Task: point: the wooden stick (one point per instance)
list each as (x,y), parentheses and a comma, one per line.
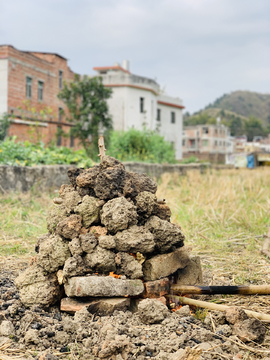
(101,146)
(211,290)
(216,307)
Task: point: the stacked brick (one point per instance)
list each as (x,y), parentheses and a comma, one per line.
(108,237)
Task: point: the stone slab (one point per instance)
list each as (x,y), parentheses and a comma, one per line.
(134,302)
(164,265)
(191,274)
(104,306)
(156,288)
(102,286)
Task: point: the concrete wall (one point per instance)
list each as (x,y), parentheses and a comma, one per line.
(3,86)
(41,178)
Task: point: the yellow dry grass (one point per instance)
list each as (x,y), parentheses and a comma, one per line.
(224,215)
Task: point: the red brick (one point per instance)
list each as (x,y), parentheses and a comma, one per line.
(156,288)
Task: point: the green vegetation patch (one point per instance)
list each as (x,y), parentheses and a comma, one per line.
(30,154)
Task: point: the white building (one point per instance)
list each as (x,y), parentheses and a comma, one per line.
(136,102)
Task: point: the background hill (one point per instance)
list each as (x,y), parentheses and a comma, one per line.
(245,103)
(244,112)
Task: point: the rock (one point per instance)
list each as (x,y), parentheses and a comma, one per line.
(250,330)
(157,288)
(40,239)
(118,214)
(109,162)
(152,312)
(70,196)
(162,211)
(85,191)
(103,286)
(61,337)
(7,328)
(72,305)
(53,253)
(74,266)
(109,183)
(110,348)
(235,314)
(163,265)
(100,260)
(37,288)
(88,210)
(184,311)
(224,330)
(186,354)
(191,274)
(141,182)
(128,265)
(31,337)
(106,306)
(145,202)
(166,235)
(135,239)
(56,214)
(60,276)
(87,178)
(70,227)
(88,242)
(75,247)
(98,231)
(73,173)
(107,242)
(129,189)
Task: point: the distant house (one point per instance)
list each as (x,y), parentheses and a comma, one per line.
(32,80)
(137,102)
(207,142)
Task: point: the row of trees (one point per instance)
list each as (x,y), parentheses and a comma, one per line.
(238,125)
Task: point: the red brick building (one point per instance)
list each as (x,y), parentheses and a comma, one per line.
(29,84)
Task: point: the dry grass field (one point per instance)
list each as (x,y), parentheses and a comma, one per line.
(224,215)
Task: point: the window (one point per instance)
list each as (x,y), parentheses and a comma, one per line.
(60,113)
(158,114)
(59,137)
(216,143)
(192,144)
(183,142)
(141,105)
(205,130)
(205,143)
(60,79)
(173,117)
(28,87)
(71,141)
(40,90)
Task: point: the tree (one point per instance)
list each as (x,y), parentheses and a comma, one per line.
(88,110)
(253,127)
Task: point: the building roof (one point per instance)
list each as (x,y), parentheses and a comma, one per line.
(101,68)
(45,53)
(34,52)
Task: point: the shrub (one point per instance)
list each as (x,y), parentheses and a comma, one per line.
(137,145)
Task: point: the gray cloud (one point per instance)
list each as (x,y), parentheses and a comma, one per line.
(197,49)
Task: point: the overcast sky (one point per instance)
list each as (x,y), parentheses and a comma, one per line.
(196,49)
